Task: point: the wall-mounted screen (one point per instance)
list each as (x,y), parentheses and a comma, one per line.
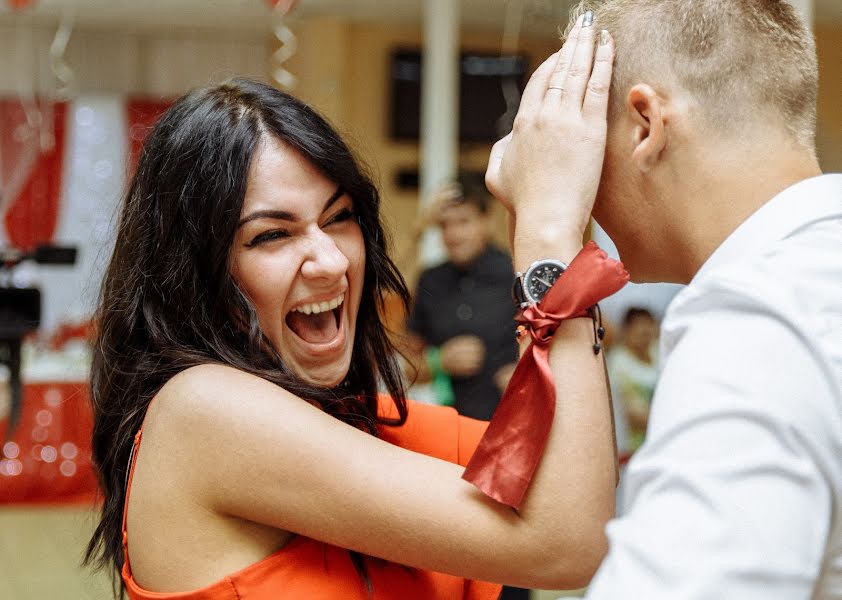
(484,82)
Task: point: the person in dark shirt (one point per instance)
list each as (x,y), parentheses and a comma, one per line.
(463,307)
(463,311)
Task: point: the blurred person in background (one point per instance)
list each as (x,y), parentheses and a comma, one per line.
(711,179)
(462,320)
(633,373)
(242,446)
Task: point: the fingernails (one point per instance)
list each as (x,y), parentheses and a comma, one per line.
(603,37)
(588,20)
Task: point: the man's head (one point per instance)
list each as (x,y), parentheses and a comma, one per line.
(465,222)
(640,329)
(706,94)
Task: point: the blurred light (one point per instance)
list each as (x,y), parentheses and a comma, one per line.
(11,450)
(103,169)
(39,434)
(44,418)
(53,397)
(49,454)
(68,450)
(85,116)
(11,467)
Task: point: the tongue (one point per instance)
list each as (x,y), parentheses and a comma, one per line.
(316,328)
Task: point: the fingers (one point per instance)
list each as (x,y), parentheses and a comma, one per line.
(579,71)
(492,173)
(533,93)
(595,105)
(559,74)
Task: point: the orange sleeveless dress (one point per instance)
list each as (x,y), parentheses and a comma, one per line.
(311,570)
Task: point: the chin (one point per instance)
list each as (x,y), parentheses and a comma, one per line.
(327,376)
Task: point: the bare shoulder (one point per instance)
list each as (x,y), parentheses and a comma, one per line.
(204,396)
(198,442)
(205,412)
(214,382)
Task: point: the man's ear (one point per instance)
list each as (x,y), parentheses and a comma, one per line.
(646,111)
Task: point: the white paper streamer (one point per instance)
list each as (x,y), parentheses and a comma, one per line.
(288,46)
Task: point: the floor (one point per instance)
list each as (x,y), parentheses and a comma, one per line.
(40,555)
(41,551)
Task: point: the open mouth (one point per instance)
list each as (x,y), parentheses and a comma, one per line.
(317,322)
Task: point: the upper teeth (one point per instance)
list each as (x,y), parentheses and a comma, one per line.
(319,307)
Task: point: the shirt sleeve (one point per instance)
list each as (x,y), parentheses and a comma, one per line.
(729,496)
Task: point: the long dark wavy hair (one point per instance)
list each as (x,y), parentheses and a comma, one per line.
(169,301)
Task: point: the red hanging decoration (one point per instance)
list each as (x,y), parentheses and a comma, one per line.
(141,116)
(19,4)
(284,6)
(32,216)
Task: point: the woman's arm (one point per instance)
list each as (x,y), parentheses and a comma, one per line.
(249,449)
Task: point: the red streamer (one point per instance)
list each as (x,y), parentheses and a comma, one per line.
(19,4)
(32,216)
(508,454)
(141,116)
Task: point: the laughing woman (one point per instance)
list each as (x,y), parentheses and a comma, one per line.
(242,446)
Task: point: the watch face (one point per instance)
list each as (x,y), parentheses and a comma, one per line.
(540,278)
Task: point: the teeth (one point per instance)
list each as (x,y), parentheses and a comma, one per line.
(319,307)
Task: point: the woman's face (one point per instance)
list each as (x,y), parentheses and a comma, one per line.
(299,257)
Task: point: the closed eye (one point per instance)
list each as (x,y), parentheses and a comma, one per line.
(267,236)
(343,215)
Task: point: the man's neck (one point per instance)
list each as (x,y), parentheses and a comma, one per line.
(469,264)
(724,197)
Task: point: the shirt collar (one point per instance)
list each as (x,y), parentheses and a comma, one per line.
(805,202)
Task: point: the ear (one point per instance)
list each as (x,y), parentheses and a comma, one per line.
(646,110)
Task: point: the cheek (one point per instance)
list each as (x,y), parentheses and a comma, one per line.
(352,246)
(610,192)
(266,281)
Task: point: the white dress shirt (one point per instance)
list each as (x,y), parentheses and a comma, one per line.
(737,491)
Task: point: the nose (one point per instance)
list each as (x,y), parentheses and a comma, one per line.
(324,260)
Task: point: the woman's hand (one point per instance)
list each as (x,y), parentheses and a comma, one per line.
(546,172)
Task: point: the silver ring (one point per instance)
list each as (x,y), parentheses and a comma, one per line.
(556,87)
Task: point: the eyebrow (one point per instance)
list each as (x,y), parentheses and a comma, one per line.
(284,215)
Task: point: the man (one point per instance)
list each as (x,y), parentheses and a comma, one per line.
(711,179)
(462,308)
(463,313)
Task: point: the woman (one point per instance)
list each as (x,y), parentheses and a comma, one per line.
(239,355)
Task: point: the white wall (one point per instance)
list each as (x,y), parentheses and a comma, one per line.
(92,185)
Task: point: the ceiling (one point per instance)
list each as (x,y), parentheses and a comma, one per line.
(539,15)
(256,14)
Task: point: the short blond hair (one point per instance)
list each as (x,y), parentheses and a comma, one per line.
(740,59)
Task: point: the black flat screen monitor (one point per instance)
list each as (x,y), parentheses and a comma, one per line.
(482,102)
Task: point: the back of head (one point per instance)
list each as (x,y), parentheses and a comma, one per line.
(637,312)
(742,62)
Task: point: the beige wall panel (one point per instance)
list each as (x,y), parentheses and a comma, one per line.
(360,100)
(829,138)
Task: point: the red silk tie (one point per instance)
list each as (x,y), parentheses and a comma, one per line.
(508,454)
